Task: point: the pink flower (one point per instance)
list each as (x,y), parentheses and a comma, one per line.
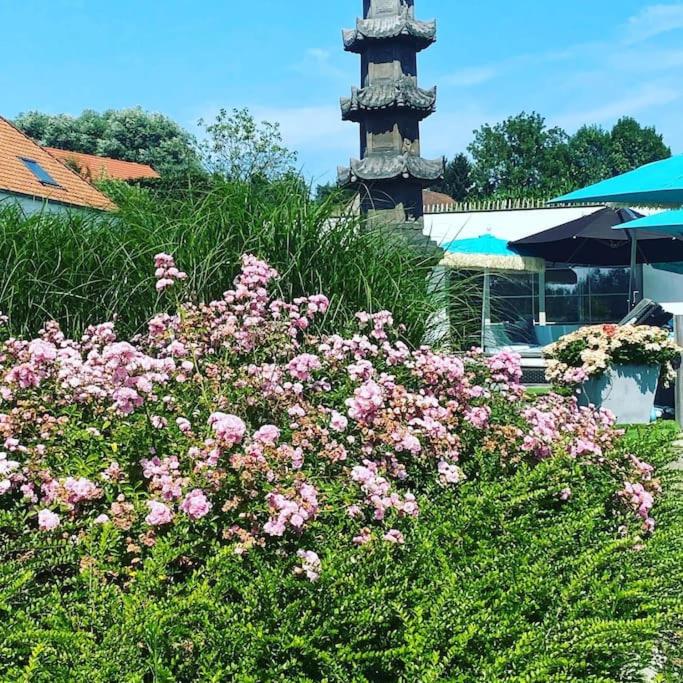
(354,511)
(366,402)
(159,422)
(506,367)
(7,469)
(25,375)
(575,376)
(364,537)
(318,303)
(645,470)
(450,473)
(565,494)
(639,498)
(394,536)
(406,441)
(303,366)
(47,520)
(196,505)
(293,511)
(230,429)
(101,519)
(159,513)
(164,260)
(113,472)
(361,371)
(126,400)
(310,565)
(268,435)
(166,272)
(42,352)
(184,425)
(338,422)
(80,489)
(478,417)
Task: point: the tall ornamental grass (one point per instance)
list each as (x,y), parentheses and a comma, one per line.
(82,269)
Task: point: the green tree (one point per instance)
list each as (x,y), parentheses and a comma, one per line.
(590,156)
(127,134)
(520,156)
(634,145)
(327,190)
(457,178)
(596,154)
(240,148)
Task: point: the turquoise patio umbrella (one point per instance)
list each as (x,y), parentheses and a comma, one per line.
(659,183)
(669,222)
(488,253)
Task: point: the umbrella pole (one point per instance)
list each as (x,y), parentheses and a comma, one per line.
(633,274)
(542,318)
(485,307)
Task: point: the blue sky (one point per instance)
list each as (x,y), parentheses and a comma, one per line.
(588,61)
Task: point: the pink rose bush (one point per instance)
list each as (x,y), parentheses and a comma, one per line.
(235,419)
(166,272)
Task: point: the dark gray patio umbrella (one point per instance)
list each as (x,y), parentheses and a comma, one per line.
(592,241)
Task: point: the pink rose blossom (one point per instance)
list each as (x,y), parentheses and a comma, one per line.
(338,422)
(310,565)
(184,425)
(196,505)
(48,520)
(394,536)
(268,435)
(230,429)
(159,513)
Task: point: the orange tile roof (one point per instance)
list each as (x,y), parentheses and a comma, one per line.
(95,167)
(16,178)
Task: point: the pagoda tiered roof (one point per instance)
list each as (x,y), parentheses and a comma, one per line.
(420,33)
(389,166)
(399,94)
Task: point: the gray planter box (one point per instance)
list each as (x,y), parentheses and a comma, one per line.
(627,390)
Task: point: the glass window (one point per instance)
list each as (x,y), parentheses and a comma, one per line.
(39,172)
(562,309)
(587,295)
(514,297)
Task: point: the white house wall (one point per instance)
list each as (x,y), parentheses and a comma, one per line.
(509,225)
(29,205)
(661,285)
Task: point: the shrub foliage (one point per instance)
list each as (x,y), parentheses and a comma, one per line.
(236,497)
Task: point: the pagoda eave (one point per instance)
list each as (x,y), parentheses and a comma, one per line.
(418,34)
(387,167)
(401,95)
(357,114)
(361,43)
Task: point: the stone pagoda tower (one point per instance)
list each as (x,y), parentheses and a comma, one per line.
(389,106)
